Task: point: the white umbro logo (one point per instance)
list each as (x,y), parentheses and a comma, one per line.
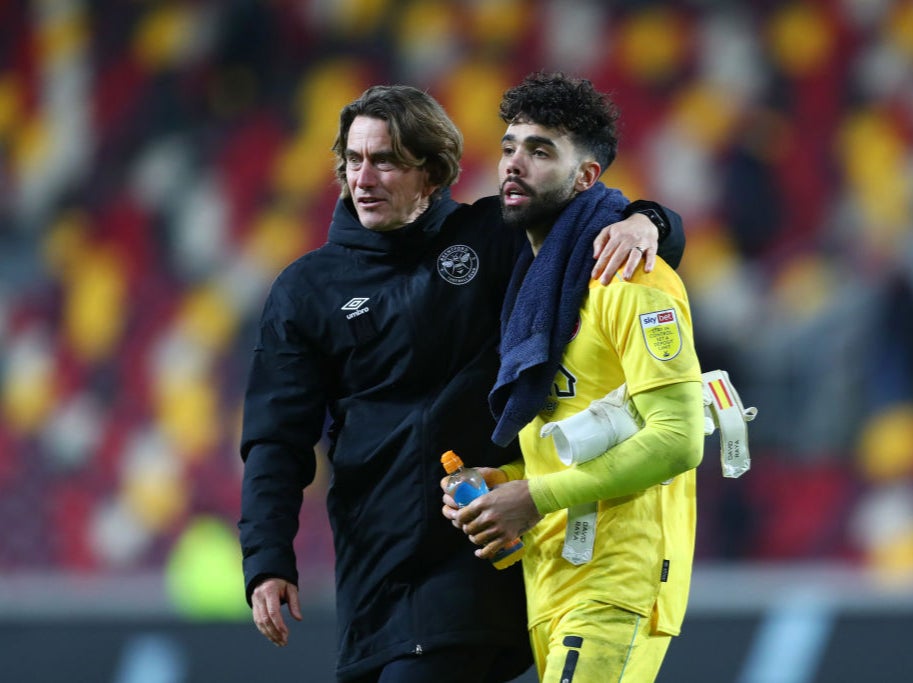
(355,303)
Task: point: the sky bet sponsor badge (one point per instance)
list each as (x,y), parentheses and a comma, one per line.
(661,333)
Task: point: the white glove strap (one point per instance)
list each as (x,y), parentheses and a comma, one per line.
(584,436)
(581,533)
(723,408)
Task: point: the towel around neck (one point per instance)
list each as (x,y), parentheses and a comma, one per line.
(541,308)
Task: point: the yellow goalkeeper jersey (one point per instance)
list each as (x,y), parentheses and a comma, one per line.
(636,332)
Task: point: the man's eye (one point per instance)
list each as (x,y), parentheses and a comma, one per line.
(385,165)
(507,151)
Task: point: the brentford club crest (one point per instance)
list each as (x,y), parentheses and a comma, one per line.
(458,264)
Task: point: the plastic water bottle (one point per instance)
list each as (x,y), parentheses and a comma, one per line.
(465,484)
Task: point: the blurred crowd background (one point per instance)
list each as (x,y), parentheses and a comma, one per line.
(160,162)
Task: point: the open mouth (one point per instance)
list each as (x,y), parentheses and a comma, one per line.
(513,193)
(369,202)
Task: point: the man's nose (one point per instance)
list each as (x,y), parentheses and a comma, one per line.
(365,176)
(513,166)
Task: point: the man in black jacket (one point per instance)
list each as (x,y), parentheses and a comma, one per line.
(392,329)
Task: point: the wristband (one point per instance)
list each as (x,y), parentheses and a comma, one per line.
(654,212)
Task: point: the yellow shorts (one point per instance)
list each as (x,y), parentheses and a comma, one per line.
(597,643)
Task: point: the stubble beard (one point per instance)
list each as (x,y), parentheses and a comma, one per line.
(540,212)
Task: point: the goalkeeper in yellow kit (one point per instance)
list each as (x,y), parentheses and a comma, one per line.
(610,540)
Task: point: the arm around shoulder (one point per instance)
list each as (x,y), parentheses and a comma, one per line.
(669,226)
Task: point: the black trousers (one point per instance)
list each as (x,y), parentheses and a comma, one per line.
(458,664)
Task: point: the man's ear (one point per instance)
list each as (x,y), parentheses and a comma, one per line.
(587,175)
(429,188)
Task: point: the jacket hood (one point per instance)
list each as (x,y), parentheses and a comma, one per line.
(347,231)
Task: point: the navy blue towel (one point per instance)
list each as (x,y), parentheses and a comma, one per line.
(541,308)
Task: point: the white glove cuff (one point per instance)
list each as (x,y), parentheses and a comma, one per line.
(591,432)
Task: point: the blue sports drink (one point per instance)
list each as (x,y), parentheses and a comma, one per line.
(465,485)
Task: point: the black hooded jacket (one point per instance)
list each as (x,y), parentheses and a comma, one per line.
(394,335)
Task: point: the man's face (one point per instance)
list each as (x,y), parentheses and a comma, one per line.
(386,196)
(538,170)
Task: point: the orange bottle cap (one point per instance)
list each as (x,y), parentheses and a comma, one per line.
(451,462)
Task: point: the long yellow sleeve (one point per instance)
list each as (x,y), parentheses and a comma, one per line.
(514,470)
(671,442)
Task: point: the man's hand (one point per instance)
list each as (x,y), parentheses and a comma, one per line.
(625,242)
(499,517)
(267,600)
(493,477)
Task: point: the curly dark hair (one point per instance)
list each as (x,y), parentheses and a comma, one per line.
(571,105)
(420,131)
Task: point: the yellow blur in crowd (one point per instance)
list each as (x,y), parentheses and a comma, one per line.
(159,164)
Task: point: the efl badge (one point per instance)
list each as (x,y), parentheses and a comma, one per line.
(662,334)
